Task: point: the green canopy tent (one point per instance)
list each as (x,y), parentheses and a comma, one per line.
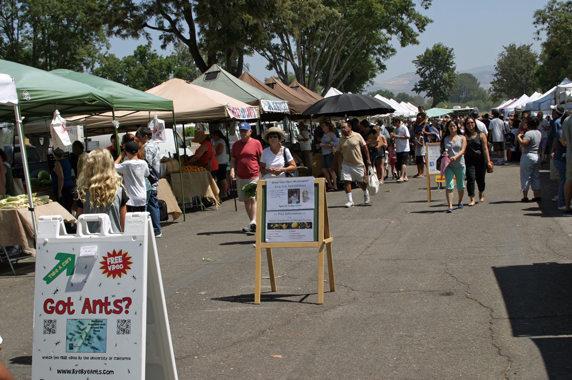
(40,93)
(436,112)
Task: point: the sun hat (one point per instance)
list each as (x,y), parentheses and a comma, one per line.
(558,108)
(244,126)
(58,152)
(131,147)
(273,130)
(200,136)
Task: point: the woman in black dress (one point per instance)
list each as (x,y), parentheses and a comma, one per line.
(477,159)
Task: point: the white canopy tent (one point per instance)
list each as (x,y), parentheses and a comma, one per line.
(504,104)
(9,98)
(399,109)
(332,92)
(528,105)
(511,109)
(564,94)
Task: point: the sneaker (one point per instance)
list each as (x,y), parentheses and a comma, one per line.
(366,199)
(562,208)
(567,213)
(159,235)
(555,199)
(250,228)
(350,204)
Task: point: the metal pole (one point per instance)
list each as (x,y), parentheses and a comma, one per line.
(180,166)
(25,165)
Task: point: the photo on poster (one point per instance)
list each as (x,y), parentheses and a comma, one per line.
(293,196)
(86,335)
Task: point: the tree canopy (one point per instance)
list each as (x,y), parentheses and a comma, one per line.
(385,93)
(145,68)
(339,43)
(515,72)
(64,34)
(555,62)
(467,88)
(436,67)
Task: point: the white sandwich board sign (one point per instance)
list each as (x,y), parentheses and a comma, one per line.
(99,305)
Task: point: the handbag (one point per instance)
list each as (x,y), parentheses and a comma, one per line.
(372,181)
(153,177)
(293,174)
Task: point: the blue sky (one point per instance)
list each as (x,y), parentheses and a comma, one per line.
(476,30)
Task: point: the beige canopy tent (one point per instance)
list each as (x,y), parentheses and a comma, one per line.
(296,106)
(304,90)
(286,91)
(191,103)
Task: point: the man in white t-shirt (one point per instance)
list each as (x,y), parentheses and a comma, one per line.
(544,128)
(401,135)
(497,129)
(305,141)
(482,127)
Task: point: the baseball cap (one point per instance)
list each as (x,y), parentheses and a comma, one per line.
(131,147)
(244,126)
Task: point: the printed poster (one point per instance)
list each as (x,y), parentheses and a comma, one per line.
(290,210)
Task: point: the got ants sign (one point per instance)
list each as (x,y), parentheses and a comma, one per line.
(92,298)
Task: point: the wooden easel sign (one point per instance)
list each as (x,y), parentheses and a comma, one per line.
(292,213)
(433,152)
(99,305)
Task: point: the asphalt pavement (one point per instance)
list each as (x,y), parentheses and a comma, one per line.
(482,293)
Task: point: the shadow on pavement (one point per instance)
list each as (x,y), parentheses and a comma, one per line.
(24,360)
(538,300)
(268,297)
(235,232)
(238,242)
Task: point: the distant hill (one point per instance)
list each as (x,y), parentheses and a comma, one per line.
(405,82)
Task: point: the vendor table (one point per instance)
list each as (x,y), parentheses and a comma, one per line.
(196,184)
(17,226)
(165,193)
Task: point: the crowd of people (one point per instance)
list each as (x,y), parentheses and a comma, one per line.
(114,182)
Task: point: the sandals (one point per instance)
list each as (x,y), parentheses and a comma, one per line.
(449,210)
(460,206)
(400,181)
(472,204)
(330,189)
(524,200)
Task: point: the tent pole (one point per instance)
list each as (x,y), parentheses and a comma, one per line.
(26,171)
(117,143)
(180,166)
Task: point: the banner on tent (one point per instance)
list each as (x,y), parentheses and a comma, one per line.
(272,106)
(242,113)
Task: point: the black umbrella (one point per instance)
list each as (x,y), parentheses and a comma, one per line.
(348,105)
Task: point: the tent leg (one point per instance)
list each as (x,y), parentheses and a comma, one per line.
(26,169)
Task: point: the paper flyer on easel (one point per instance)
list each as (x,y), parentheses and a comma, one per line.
(290,209)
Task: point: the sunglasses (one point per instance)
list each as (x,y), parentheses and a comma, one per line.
(272,136)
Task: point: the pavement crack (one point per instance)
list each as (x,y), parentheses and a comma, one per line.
(490,311)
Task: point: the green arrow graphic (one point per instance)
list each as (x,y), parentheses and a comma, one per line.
(66,263)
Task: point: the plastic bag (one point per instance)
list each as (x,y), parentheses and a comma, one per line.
(372,181)
(445,160)
(59,132)
(157,127)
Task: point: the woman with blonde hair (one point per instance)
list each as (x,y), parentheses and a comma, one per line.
(100,190)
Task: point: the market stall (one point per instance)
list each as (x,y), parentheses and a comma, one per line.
(199,184)
(18,225)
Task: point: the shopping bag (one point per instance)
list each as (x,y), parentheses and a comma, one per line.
(372,181)
(59,132)
(445,160)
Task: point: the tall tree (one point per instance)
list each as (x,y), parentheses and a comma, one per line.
(515,72)
(47,34)
(467,88)
(385,93)
(436,67)
(555,60)
(326,41)
(145,68)
(214,31)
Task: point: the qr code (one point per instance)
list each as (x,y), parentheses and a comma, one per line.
(50,326)
(124,327)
